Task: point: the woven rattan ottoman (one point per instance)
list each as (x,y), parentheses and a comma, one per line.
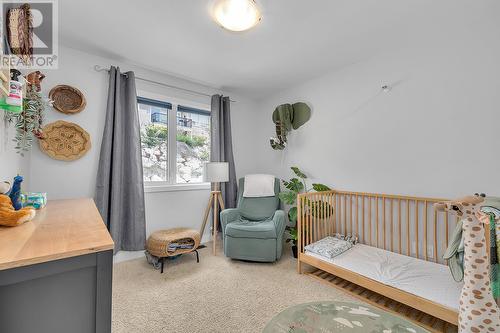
(178,239)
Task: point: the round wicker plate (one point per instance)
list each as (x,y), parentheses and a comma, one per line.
(65,141)
(67,99)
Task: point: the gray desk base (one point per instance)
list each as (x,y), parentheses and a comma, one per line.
(64,296)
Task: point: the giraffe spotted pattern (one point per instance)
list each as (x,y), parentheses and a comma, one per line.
(478,311)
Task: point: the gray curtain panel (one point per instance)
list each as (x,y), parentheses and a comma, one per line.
(222,145)
(119,188)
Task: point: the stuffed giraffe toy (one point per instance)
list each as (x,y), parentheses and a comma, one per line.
(478,311)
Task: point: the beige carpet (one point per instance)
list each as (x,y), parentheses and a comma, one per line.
(216,295)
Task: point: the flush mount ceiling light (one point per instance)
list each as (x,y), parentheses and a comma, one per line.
(236,15)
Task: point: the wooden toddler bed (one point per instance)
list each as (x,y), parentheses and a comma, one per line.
(398,265)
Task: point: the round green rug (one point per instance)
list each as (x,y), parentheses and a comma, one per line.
(330,317)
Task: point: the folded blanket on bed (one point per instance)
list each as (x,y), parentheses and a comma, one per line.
(331,247)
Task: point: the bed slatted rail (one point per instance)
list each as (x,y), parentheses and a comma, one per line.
(401,224)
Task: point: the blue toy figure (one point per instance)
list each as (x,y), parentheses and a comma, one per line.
(15,193)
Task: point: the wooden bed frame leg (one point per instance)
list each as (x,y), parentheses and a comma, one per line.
(299,266)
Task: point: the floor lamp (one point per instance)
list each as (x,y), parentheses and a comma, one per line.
(215,173)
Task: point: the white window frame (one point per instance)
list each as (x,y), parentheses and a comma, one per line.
(170,185)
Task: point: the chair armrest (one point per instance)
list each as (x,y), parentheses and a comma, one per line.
(227,216)
(279,222)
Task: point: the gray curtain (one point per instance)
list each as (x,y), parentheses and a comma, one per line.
(119,188)
(222,146)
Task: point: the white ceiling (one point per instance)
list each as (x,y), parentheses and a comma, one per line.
(296,40)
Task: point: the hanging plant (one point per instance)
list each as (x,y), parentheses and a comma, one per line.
(28,123)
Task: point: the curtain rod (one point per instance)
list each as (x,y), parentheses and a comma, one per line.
(98,68)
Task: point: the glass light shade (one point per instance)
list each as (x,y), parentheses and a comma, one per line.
(236,15)
(216,172)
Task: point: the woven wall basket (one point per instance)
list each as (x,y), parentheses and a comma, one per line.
(67,99)
(65,141)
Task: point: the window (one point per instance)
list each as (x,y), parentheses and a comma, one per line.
(193,143)
(159,117)
(153,118)
(173,157)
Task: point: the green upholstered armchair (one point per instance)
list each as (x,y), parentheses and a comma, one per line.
(254,230)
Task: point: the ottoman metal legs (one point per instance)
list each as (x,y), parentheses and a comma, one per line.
(163,260)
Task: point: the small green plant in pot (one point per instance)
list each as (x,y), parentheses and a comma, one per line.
(295,186)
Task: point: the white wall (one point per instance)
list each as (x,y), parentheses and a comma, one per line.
(11,163)
(77,179)
(435,134)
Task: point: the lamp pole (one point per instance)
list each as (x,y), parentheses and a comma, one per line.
(215,172)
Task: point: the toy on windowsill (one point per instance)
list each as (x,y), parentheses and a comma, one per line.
(10,217)
(15,193)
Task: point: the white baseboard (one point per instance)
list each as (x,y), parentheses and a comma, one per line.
(127,255)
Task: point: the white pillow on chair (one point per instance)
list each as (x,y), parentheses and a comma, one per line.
(258,185)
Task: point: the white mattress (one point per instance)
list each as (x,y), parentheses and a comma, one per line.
(418,277)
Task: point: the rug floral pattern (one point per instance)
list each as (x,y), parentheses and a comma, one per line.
(332,317)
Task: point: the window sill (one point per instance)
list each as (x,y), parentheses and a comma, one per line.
(176,187)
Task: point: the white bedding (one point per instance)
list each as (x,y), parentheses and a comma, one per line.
(418,277)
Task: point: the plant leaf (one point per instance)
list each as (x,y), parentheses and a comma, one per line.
(320,187)
(288,197)
(294,185)
(292,215)
(320,208)
(299,173)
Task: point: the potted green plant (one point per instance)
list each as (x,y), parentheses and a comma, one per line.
(294,186)
(292,237)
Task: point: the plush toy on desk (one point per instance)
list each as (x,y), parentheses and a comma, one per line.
(4,187)
(8,215)
(15,193)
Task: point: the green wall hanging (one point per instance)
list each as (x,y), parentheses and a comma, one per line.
(287,117)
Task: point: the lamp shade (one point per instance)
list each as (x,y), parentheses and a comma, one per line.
(216,172)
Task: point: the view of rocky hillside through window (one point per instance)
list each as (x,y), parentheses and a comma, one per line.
(192,146)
